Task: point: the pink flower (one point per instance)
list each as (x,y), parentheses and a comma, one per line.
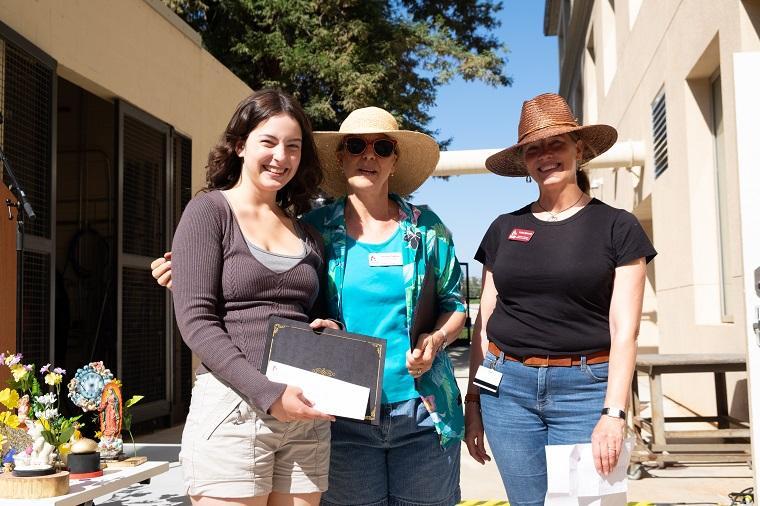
(45,368)
(12,359)
(58,370)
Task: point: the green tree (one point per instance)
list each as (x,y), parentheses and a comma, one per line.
(338,55)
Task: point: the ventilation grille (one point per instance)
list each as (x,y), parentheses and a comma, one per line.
(144,176)
(143,335)
(27,93)
(659,135)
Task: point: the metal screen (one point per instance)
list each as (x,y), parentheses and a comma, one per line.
(36,342)
(144,190)
(183,148)
(27,98)
(28,106)
(144,336)
(145,205)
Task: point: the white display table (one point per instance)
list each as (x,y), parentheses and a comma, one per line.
(86,490)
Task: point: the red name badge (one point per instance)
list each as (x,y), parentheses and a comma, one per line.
(521,234)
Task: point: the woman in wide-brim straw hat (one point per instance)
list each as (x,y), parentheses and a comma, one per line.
(563,282)
(379,247)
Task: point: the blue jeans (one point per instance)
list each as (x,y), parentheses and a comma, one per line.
(399,462)
(535,407)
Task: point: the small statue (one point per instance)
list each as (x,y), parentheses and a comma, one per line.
(40,455)
(23,409)
(110,416)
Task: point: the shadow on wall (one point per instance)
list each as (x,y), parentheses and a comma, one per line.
(740,401)
(753,13)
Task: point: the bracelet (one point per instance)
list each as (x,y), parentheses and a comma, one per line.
(445,342)
(614,413)
(472,398)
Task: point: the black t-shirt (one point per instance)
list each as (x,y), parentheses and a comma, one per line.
(554,279)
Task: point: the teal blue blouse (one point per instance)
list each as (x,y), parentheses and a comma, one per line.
(426,240)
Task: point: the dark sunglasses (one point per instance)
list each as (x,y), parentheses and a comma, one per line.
(357,146)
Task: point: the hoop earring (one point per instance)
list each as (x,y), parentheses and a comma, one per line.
(528,179)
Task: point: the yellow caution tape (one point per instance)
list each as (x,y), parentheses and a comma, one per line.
(506,503)
(483,503)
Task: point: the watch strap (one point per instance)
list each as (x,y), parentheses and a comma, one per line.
(614,412)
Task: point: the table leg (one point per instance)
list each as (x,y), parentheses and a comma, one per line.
(658,413)
(721,399)
(635,402)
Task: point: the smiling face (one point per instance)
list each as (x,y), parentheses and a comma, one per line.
(368,170)
(552,160)
(271,153)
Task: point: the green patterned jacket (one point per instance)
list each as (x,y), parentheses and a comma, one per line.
(426,239)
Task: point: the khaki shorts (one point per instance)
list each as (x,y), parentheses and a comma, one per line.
(232,449)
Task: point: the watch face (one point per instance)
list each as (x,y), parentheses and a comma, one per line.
(92,385)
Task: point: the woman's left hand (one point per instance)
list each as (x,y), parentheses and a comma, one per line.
(420,359)
(320,323)
(607,442)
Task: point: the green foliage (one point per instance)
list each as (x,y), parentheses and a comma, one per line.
(60,430)
(339,55)
(127,423)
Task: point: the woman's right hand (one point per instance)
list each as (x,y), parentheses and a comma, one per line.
(474,433)
(292,406)
(161,270)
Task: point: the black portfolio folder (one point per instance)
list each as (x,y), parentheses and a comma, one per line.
(426,311)
(354,358)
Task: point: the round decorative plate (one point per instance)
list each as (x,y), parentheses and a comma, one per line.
(86,387)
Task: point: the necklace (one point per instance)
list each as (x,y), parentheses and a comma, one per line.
(555,216)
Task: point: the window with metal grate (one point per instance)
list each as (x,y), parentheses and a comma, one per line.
(26,100)
(26,85)
(659,134)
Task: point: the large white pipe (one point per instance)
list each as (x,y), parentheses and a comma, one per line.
(473,161)
(621,154)
(461,162)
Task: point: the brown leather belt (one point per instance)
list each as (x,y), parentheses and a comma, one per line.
(597,357)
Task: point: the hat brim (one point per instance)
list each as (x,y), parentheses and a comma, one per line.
(417,158)
(596,140)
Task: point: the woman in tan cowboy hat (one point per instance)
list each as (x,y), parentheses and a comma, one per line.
(378,248)
(563,282)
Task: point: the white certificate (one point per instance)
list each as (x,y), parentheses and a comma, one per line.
(328,395)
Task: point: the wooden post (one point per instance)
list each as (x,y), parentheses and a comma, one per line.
(7,278)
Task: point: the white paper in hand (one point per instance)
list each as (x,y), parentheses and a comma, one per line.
(573,479)
(329,395)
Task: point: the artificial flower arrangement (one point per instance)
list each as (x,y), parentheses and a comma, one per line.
(33,432)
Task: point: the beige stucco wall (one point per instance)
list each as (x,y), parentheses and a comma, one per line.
(678,46)
(126,49)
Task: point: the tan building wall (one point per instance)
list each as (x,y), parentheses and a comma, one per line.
(618,57)
(140,52)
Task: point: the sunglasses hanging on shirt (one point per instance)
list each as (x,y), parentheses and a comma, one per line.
(356,146)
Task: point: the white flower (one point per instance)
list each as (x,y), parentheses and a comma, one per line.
(47,399)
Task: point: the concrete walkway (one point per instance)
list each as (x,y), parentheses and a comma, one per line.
(693,484)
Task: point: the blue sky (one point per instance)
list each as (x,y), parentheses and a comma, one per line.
(480,117)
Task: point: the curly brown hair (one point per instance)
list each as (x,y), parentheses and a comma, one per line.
(224,164)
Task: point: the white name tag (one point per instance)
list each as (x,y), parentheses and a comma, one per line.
(384,259)
(487,378)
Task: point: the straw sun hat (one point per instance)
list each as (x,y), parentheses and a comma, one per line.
(545,116)
(417,153)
